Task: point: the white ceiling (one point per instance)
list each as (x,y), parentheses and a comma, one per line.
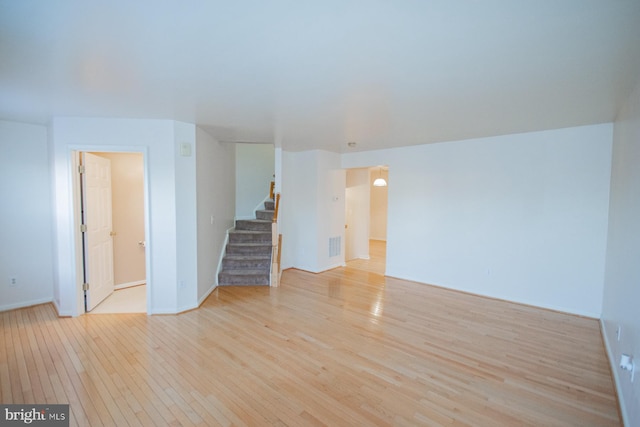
(317,74)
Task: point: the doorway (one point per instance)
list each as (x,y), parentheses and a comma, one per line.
(114,279)
(366,219)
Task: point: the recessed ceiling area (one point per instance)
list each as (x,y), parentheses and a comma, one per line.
(316,75)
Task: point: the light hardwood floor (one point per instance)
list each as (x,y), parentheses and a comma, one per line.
(377,258)
(343,348)
(127,300)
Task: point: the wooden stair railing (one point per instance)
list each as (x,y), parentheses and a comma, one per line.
(276,240)
(276,208)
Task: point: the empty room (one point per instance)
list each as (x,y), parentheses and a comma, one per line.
(339,213)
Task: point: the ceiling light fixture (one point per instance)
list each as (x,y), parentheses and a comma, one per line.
(380,182)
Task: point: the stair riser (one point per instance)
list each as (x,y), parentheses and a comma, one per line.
(249,237)
(249,250)
(237,264)
(269,206)
(266,215)
(253,225)
(243,280)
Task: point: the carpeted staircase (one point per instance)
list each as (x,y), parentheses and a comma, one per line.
(247,259)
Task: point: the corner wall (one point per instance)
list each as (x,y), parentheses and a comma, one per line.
(215,174)
(622,275)
(312,209)
(186,227)
(25,220)
(255,169)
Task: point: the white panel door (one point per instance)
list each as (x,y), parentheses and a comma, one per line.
(98,241)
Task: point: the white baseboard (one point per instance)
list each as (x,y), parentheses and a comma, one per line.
(185,308)
(188,307)
(332,266)
(130,284)
(61,313)
(24,304)
(163,311)
(614,372)
(315,271)
(57,307)
(206,294)
(223,251)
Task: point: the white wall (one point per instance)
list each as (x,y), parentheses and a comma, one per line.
(25,219)
(622,274)
(186,215)
(278,168)
(255,167)
(358,212)
(519,217)
(331,204)
(312,209)
(215,173)
(166,174)
(299,211)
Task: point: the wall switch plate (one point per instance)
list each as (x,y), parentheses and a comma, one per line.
(618,332)
(185,149)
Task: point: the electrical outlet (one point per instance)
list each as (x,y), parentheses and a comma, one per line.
(628,364)
(13,281)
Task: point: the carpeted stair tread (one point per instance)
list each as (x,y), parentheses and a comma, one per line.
(244,278)
(248,236)
(244,272)
(247,262)
(249,249)
(264,214)
(249,244)
(250,232)
(249,256)
(253,225)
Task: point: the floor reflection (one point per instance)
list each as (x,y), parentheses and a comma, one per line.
(377,258)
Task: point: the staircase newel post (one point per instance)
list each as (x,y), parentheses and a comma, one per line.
(275,264)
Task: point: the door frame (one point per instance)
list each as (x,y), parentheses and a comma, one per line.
(76,234)
(371,169)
